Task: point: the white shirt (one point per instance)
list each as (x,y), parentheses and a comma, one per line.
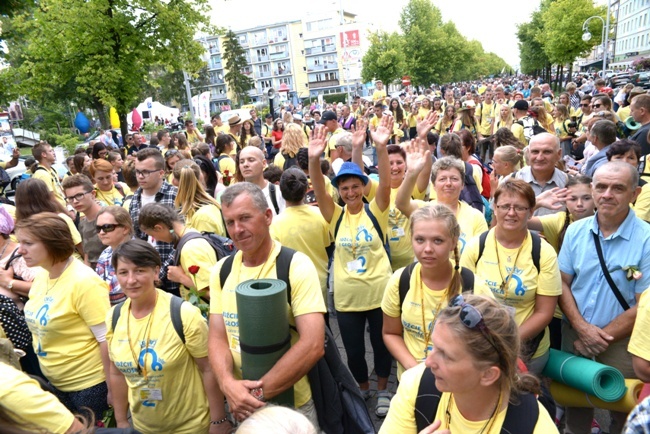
(278,195)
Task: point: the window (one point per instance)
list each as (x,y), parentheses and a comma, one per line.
(285,80)
(261,52)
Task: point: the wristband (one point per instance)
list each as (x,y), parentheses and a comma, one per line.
(219,422)
(258,393)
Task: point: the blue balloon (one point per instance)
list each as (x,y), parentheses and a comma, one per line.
(82,123)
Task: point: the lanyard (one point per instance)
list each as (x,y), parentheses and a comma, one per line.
(142,370)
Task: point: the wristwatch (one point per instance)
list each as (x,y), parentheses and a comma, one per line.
(258,393)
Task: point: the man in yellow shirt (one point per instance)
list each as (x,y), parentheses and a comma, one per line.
(486,112)
(235,124)
(218,125)
(44,154)
(334,129)
(248,219)
(380,93)
(192,133)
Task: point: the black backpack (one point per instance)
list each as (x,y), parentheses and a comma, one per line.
(521,417)
(289,161)
(215,162)
(466,277)
(222,246)
(340,407)
(174,311)
(531,127)
(470,194)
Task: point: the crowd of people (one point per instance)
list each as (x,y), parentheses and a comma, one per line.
(468,229)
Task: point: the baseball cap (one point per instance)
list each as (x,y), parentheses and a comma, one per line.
(521,105)
(328,115)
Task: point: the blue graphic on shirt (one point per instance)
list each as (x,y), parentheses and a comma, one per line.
(155,363)
(363,261)
(520,290)
(367,236)
(41,315)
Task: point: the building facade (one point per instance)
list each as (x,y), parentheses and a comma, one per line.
(632,32)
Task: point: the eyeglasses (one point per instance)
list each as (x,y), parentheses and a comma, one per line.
(507,208)
(585,105)
(107,228)
(129,138)
(171,153)
(145,173)
(472,318)
(597,105)
(76,197)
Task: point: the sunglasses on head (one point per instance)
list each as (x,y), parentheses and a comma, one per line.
(472,318)
(108,227)
(171,153)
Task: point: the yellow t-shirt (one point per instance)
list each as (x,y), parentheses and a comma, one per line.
(76,236)
(471,221)
(361,266)
(423,113)
(642,205)
(623,113)
(399,232)
(169,366)
(401,416)
(518,132)
(412,120)
(411,311)
(378,95)
(112,197)
(193,137)
(207,219)
(51,179)
(59,314)
(227,164)
(223,129)
(552,225)
(306,298)
(640,341)
(25,401)
(486,113)
(332,138)
(304,229)
(442,126)
(525,284)
(197,252)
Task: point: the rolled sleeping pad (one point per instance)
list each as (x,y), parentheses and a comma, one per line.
(264,334)
(602,381)
(569,397)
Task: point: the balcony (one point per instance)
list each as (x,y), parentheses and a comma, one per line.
(323,67)
(277,39)
(216,80)
(282,72)
(259,41)
(258,59)
(214,49)
(216,65)
(321,49)
(252,92)
(325,83)
(280,55)
(260,74)
(244,44)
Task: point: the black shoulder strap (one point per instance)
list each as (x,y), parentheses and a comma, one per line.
(117,310)
(481,246)
(467,279)
(536,249)
(521,418)
(175,313)
(427,400)
(226,267)
(14,255)
(338,223)
(184,239)
(119,188)
(405,282)
(282,267)
(608,277)
(274,199)
(375,223)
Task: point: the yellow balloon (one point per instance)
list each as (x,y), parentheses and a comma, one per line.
(115,119)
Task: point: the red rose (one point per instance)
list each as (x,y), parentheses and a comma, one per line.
(226,172)
(193,269)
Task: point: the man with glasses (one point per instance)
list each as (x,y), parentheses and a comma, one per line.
(598,300)
(150,173)
(80,193)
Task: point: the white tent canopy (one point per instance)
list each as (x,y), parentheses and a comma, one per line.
(150,109)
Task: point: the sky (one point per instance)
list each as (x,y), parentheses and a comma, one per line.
(493,23)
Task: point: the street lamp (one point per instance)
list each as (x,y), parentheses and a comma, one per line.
(586,36)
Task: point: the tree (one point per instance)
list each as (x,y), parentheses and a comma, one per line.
(235,59)
(166,87)
(384,59)
(100,52)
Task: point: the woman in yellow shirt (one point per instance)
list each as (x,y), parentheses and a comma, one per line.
(108,192)
(425,108)
(200,210)
(292,141)
(165,382)
(361,265)
(504,267)
(437,106)
(172,157)
(472,368)
(67,306)
(505,119)
(445,123)
(163,223)
(433,282)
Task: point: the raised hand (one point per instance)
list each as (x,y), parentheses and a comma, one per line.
(426,124)
(552,199)
(384,130)
(359,133)
(317,143)
(417,156)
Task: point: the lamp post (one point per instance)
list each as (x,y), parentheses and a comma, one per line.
(586,36)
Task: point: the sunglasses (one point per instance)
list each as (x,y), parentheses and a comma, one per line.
(108,227)
(597,105)
(585,105)
(171,153)
(472,319)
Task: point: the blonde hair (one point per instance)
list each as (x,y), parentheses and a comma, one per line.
(512,155)
(273,419)
(563,112)
(191,194)
(441,213)
(292,139)
(508,120)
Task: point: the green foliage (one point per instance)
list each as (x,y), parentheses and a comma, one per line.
(235,61)
(531,52)
(384,59)
(67,141)
(99,52)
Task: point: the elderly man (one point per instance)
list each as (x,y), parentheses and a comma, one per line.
(599,302)
(248,219)
(544,151)
(251,165)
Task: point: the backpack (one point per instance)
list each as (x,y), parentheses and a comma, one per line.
(340,407)
(222,246)
(521,417)
(470,194)
(531,127)
(466,277)
(375,224)
(310,195)
(174,311)
(215,162)
(274,198)
(289,161)
(485,177)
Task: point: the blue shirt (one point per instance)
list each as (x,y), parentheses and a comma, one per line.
(628,246)
(596,160)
